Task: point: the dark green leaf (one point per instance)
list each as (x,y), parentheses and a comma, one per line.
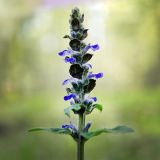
(118,129)
(90,86)
(86,57)
(53,130)
(76,71)
(75,44)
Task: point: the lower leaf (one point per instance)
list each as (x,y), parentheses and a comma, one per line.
(53,130)
(118,129)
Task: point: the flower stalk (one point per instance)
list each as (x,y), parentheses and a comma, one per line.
(80,142)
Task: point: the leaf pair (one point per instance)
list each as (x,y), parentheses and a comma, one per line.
(86,135)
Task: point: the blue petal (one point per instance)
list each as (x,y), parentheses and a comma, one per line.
(89,65)
(65,126)
(65,82)
(73,34)
(62,53)
(71,126)
(91,75)
(94,99)
(95,47)
(88,125)
(65,52)
(68,97)
(72,95)
(99,75)
(86,48)
(72,60)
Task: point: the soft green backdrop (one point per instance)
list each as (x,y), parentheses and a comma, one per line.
(31,74)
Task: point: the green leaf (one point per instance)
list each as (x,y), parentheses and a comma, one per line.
(92,107)
(118,129)
(75,107)
(98,106)
(53,130)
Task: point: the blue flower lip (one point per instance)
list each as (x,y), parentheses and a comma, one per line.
(66,81)
(90,100)
(97,76)
(68,97)
(93,47)
(71,60)
(65,52)
(94,99)
(69,126)
(73,34)
(88,125)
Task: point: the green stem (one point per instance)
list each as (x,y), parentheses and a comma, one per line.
(80,143)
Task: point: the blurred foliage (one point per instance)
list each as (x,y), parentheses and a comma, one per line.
(31,74)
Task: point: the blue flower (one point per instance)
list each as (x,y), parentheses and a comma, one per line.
(94,99)
(65,81)
(68,97)
(88,125)
(98,75)
(71,126)
(89,101)
(91,75)
(73,34)
(93,47)
(65,52)
(86,48)
(71,60)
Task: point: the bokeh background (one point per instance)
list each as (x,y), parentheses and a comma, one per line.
(31,74)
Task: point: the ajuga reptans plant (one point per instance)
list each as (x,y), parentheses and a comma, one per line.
(81,81)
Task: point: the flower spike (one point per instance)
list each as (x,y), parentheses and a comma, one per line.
(82,82)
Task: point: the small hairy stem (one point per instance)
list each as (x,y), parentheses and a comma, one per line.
(80,143)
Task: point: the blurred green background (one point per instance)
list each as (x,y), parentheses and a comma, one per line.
(31,74)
